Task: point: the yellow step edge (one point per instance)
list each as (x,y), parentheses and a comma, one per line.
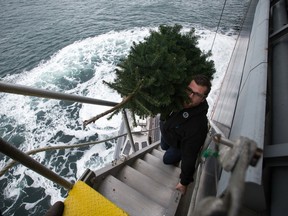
(82,200)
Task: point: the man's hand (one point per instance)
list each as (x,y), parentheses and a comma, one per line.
(181,188)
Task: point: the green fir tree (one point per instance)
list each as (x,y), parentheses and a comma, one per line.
(153,78)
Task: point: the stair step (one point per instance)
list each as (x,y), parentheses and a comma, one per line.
(172,170)
(127,198)
(156,191)
(159,148)
(157,153)
(155,173)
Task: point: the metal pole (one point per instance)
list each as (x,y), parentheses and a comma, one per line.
(29,162)
(30,91)
(279,172)
(128,130)
(279,77)
(222,140)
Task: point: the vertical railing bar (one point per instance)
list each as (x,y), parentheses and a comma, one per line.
(128,130)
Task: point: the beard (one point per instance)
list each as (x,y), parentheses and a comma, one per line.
(192,104)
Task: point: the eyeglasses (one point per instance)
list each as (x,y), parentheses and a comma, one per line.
(190,91)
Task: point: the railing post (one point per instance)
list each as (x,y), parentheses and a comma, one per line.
(128,130)
(31,163)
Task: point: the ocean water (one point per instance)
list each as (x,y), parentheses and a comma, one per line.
(72,46)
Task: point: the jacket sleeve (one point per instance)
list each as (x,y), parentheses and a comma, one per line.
(190,148)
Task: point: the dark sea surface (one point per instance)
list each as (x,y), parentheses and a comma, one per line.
(71,46)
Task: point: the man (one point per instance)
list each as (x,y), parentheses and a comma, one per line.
(184,132)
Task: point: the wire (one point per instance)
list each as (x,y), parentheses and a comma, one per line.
(218,24)
(49,148)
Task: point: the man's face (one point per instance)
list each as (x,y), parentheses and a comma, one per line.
(196,94)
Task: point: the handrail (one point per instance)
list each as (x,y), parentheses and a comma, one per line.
(243,152)
(48,148)
(31,163)
(30,91)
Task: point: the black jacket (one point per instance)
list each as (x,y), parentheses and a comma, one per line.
(187,130)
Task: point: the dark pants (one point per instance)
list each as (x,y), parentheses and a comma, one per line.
(172,155)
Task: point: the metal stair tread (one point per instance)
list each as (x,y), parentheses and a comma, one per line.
(157,153)
(170,169)
(156,173)
(127,198)
(158,192)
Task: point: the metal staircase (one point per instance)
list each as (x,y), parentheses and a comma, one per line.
(140,185)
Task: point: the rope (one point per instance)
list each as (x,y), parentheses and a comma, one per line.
(218,24)
(49,148)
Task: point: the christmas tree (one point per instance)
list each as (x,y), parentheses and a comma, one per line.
(153,78)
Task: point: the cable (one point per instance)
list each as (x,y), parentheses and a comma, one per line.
(218,24)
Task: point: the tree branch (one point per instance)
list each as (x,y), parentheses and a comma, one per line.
(118,106)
